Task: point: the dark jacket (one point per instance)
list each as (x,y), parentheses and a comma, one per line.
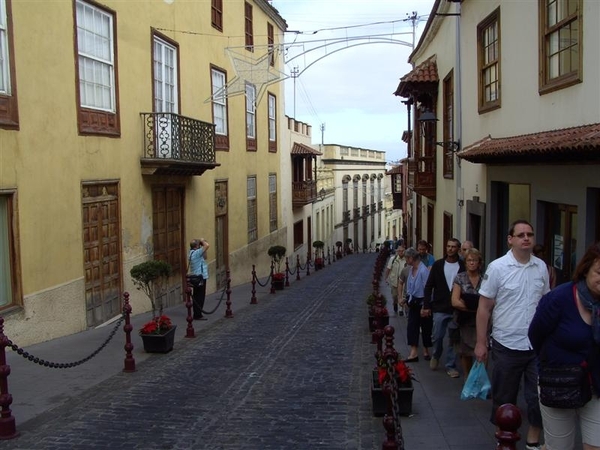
(438,297)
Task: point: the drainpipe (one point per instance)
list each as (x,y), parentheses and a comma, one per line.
(458,137)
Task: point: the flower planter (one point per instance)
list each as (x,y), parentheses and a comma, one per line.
(379,399)
(384,321)
(278,285)
(159,343)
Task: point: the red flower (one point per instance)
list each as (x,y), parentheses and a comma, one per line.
(158,325)
(403,371)
(278,276)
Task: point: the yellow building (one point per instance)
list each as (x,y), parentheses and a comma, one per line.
(127,129)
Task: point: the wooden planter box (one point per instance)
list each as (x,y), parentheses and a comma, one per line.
(379,399)
(159,343)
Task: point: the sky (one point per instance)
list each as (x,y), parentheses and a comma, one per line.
(349,88)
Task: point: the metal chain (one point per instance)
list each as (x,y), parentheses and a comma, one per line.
(219,302)
(392,380)
(292,272)
(53,365)
(266,281)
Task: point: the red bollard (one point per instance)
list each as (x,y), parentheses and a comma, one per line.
(297,267)
(508,421)
(287,272)
(8,429)
(272,280)
(189,331)
(253,300)
(228,311)
(129,363)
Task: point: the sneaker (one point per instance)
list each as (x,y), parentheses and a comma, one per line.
(453,373)
(433,364)
(533,447)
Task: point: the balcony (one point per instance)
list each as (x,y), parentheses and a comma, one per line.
(303,192)
(356,213)
(397,200)
(177,145)
(346,216)
(421,176)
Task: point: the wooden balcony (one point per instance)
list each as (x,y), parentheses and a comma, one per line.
(421,176)
(397,200)
(303,192)
(177,145)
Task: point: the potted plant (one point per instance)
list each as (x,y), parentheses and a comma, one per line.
(403,384)
(338,252)
(277,253)
(319,262)
(158,335)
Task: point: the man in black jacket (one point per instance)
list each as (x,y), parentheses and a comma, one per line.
(438,302)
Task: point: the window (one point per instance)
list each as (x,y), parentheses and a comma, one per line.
(97,68)
(252,209)
(270,44)
(165,76)
(219,102)
(272,123)
(9,114)
(9,287)
(248,27)
(273,202)
(488,41)
(560,39)
(217,14)
(250,117)
(449,125)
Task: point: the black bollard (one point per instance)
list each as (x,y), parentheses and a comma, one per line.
(253,300)
(228,311)
(8,429)
(189,331)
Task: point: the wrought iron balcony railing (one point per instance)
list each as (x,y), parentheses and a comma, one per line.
(175,144)
(303,192)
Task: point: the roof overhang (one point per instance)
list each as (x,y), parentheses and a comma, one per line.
(304,150)
(423,78)
(566,145)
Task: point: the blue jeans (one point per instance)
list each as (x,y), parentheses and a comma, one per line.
(440,325)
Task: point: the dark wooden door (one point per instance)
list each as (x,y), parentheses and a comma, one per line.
(101,251)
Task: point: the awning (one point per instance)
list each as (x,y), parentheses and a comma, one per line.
(576,144)
(301,149)
(422,75)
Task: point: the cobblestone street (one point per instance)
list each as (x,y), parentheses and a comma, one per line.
(291,372)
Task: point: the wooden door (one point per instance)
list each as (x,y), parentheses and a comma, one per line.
(101,251)
(167,233)
(221,234)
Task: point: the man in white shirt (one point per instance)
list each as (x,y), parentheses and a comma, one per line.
(510,291)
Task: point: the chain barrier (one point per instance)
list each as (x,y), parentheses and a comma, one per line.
(266,281)
(393,389)
(53,365)
(218,303)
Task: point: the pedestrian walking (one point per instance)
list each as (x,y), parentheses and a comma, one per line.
(415,293)
(198,275)
(438,302)
(565,332)
(510,291)
(426,258)
(465,298)
(392,272)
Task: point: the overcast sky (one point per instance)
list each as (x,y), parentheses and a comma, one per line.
(350,89)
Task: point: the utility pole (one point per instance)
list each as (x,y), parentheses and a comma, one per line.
(323,134)
(295,71)
(414,19)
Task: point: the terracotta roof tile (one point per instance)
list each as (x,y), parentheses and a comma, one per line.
(394,170)
(426,72)
(574,144)
(301,149)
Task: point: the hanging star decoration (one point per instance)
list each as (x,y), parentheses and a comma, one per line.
(257,72)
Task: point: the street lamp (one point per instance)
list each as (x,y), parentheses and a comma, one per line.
(429,118)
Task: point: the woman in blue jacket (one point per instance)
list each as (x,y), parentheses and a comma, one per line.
(566,331)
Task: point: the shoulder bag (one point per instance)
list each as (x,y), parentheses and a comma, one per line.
(565,387)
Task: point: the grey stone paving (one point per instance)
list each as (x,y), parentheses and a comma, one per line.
(288,373)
